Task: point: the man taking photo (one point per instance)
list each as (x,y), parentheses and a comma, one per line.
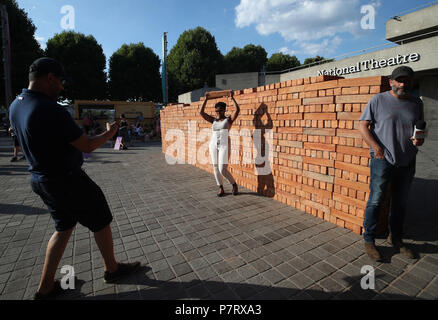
(387,126)
(53,145)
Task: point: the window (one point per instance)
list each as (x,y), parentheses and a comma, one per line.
(99,112)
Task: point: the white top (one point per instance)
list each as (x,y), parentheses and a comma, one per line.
(220,132)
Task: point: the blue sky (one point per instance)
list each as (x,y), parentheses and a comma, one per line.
(304,28)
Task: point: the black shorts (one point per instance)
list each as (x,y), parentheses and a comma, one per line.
(74,198)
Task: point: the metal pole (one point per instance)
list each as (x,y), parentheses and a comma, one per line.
(6,48)
(164,81)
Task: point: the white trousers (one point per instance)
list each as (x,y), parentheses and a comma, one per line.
(219,158)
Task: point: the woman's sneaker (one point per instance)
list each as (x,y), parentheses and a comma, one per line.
(235,190)
(123,270)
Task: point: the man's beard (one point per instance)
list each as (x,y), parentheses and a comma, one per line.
(400,91)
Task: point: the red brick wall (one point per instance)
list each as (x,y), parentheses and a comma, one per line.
(320,160)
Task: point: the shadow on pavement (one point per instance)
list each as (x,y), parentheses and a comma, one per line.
(213,290)
(12,170)
(421,222)
(20,209)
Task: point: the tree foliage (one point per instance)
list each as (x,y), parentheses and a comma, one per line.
(134,72)
(280,62)
(24,48)
(317,60)
(192,62)
(83,60)
(250,58)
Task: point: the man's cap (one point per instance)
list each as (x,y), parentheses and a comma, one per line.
(403,71)
(43,66)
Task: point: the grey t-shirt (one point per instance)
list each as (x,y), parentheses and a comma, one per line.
(392,125)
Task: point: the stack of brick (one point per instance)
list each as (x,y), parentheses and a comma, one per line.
(320,162)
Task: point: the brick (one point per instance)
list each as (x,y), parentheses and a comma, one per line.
(319,132)
(288,116)
(352,168)
(348,115)
(292,144)
(287,103)
(352,184)
(318,192)
(352,150)
(321,100)
(320,116)
(359,98)
(319,146)
(364,90)
(321,85)
(350,201)
(290,130)
(370,81)
(318,176)
(348,133)
(320,162)
(350,90)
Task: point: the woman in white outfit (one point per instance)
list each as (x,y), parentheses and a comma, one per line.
(219,141)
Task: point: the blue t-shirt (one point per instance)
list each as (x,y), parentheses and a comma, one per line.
(392,125)
(45,130)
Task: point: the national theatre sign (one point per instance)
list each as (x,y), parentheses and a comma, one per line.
(371,64)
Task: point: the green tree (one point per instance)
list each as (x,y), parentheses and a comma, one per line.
(280,62)
(24,48)
(83,60)
(134,72)
(250,58)
(192,62)
(318,59)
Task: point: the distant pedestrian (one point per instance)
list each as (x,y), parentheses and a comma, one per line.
(53,144)
(86,121)
(17,147)
(123,132)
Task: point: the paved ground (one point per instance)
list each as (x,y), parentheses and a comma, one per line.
(196,246)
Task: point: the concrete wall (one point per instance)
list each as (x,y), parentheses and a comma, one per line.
(237,81)
(429,94)
(272,78)
(194,95)
(426,48)
(412,24)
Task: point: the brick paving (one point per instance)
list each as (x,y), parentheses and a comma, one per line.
(196,246)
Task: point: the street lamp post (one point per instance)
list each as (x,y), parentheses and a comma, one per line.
(6,49)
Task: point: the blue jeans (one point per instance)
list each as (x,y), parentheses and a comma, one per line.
(383,173)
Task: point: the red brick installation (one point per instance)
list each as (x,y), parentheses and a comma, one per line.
(320,162)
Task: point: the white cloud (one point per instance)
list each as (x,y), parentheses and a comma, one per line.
(313,25)
(41,40)
(325,47)
(286,50)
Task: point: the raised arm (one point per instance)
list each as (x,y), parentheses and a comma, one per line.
(236,113)
(206,116)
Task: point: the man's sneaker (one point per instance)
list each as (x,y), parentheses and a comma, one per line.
(372,252)
(14,159)
(124,269)
(56,291)
(398,244)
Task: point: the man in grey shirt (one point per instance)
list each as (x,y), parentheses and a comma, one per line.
(387,126)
